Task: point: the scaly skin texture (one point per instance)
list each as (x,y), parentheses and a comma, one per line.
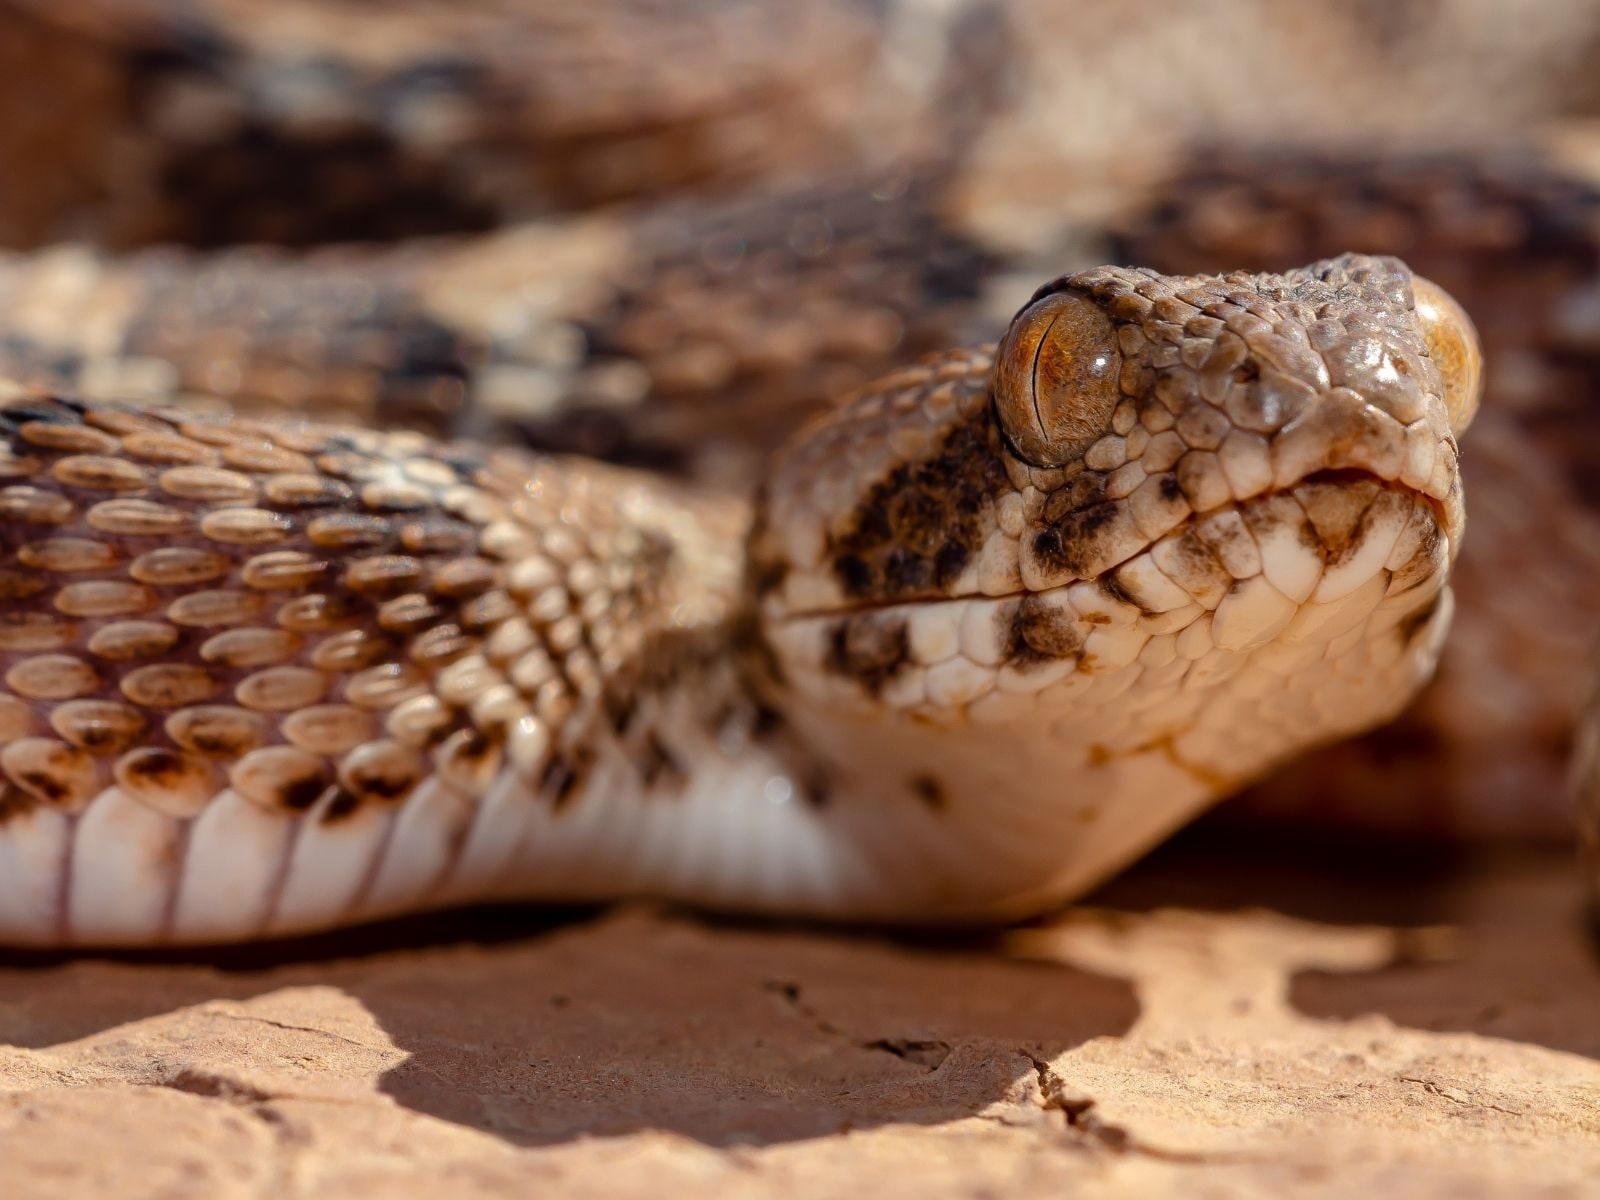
(223,121)
(262,678)
(687,335)
(695,337)
(1513,234)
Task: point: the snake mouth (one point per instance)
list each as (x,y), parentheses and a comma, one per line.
(1314,559)
(1331,535)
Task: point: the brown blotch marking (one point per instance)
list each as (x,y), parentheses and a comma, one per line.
(816,788)
(768,721)
(381,786)
(218,742)
(930,791)
(19,585)
(870,649)
(918,528)
(341,807)
(1335,501)
(297,795)
(660,764)
(15,802)
(45,784)
(564,774)
(1037,631)
(158,767)
(1074,545)
(1112,587)
(620,708)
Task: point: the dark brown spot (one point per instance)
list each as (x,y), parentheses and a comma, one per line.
(930,791)
(660,764)
(869,648)
(379,786)
(15,802)
(1078,543)
(342,806)
(565,775)
(916,529)
(45,785)
(854,575)
(300,794)
(768,721)
(157,767)
(620,711)
(816,788)
(949,562)
(1039,631)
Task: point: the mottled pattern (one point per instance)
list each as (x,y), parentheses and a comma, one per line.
(688,335)
(1249,559)
(223,121)
(1229,386)
(1513,236)
(267,677)
(696,336)
(321,620)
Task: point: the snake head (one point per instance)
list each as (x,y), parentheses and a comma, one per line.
(1169,532)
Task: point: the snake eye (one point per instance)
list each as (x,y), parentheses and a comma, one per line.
(1453,346)
(1055,378)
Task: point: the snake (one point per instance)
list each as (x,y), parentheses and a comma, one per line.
(265,677)
(693,337)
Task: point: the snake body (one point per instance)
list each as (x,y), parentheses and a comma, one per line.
(869,707)
(694,337)
(1005,618)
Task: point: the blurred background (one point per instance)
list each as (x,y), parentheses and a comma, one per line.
(208,122)
(664,231)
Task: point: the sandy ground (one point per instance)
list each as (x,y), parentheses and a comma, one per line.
(1227,1020)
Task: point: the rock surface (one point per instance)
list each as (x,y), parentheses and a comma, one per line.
(1411,1027)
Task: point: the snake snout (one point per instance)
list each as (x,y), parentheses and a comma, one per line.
(1453,345)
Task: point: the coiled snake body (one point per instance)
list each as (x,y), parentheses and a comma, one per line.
(992,627)
(1006,619)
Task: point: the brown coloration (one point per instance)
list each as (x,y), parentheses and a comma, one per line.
(1510,233)
(694,335)
(919,527)
(98,726)
(1037,630)
(868,649)
(354,618)
(1227,384)
(280,777)
(178,784)
(1453,345)
(218,122)
(381,771)
(52,772)
(928,790)
(1055,377)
